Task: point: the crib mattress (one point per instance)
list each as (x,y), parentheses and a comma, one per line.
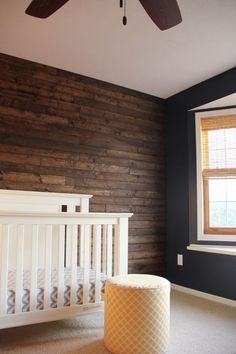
(53,290)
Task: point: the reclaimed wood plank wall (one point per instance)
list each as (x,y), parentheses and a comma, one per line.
(63,132)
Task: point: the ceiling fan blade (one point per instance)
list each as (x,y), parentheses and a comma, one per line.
(164,13)
(44,8)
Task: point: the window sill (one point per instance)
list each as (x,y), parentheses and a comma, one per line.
(217,237)
(228,250)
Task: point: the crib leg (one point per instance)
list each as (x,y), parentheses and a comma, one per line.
(121,247)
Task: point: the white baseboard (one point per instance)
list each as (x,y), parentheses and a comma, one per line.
(207,296)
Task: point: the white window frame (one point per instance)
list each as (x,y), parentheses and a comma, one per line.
(201,236)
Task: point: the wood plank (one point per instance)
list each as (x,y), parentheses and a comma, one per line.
(64,132)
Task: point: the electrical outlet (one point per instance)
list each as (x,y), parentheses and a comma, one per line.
(180,260)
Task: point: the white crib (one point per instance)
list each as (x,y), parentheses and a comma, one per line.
(56,255)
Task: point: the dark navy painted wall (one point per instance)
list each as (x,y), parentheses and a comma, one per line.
(208,272)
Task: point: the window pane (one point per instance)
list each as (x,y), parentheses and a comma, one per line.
(218,215)
(230,158)
(222,202)
(231,214)
(217,190)
(221,148)
(230,138)
(216,138)
(216,158)
(231,189)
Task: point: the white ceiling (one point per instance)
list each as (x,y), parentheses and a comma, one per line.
(87,37)
(226,101)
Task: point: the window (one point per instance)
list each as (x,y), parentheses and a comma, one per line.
(216,175)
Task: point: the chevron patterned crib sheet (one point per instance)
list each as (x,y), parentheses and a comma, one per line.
(54,288)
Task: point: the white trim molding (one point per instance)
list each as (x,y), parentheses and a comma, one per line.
(219,299)
(201,236)
(228,250)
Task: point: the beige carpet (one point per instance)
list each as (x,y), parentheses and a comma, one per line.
(197,327)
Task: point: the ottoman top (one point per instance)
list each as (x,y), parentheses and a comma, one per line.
(139,281)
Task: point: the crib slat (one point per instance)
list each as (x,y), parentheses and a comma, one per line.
(109,251)
(19,268)
(74,250)
(84,205)
(121,247)
(97,260)
(116,250)
(104,248)
(34,267)
(68,247)
(4,267)
(1,266)
(48,266)
(61,257)
(81,246)
(1,238)
(87,252)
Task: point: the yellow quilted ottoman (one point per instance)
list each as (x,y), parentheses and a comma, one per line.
(137,314)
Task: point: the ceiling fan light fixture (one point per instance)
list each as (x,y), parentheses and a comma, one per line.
(164,13)
(124,19)
(44,8)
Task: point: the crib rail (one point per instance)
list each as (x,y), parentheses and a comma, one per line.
(54,243)
(12,200)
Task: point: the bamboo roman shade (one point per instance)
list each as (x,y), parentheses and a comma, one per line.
(219,146)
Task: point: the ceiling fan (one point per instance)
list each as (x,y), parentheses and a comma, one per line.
(164,13)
